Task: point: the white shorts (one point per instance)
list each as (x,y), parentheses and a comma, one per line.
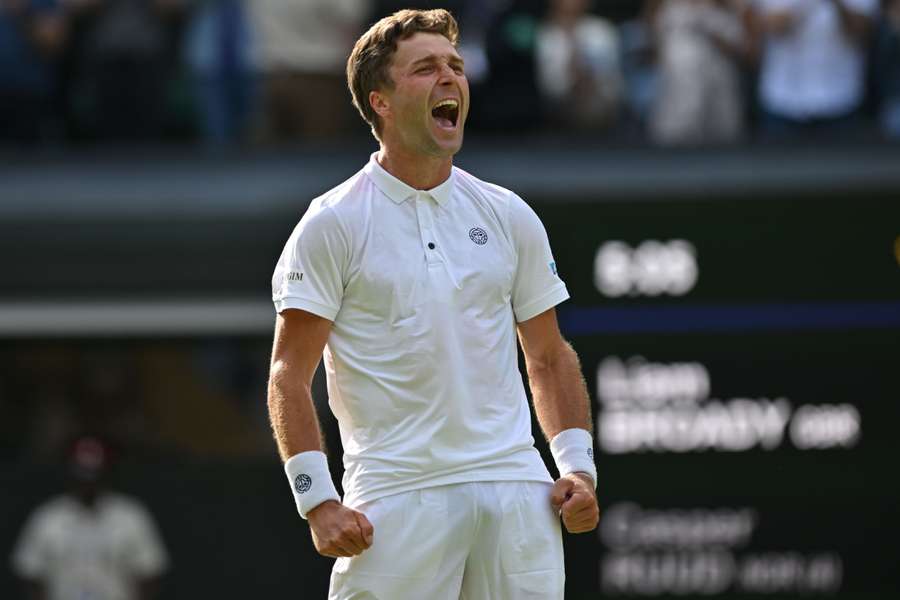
(467,541)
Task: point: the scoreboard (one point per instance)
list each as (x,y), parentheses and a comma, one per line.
(743,358)
(737,316)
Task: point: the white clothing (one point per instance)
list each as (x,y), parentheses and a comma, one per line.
(700,97)
(424,289)
(97,553)
(591,47)
(475,541)
(815,70)
(312,36)
(594,40)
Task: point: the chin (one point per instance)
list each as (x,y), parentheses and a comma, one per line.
(452,148)
(448,147)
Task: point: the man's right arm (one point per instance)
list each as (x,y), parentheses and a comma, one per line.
(300,337)
(857,25)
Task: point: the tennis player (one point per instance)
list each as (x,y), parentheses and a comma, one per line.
(412,279)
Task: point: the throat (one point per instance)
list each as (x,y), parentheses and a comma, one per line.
(421,172)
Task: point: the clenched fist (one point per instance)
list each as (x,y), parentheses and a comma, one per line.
(573,497)
(339,531)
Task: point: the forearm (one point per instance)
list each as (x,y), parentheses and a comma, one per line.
(736,49)
(292,413)
(780,22)
(559,392)
(855,25)
(727,32)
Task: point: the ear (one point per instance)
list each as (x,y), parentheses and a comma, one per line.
(380,103)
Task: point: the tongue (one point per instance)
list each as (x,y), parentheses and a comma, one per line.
(444,122)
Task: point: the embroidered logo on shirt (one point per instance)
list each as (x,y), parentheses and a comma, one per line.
(478,235)
(293,276)
(302,483)
(590,453)
(552,266)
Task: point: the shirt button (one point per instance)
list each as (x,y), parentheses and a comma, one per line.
(431,245)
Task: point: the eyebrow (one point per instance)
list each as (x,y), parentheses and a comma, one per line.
(432,58)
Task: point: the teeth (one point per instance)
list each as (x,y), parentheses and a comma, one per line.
(448,102)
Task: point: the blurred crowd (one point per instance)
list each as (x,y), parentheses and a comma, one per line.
(674,72)
(195,399)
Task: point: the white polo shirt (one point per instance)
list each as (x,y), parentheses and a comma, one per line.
(424,289)
(99,553)
(814,70)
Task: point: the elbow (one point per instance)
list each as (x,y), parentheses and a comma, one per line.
(276,376)
(549,361)
(283,381)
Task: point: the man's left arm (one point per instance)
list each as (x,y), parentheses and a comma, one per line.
(562,406)
(856,24)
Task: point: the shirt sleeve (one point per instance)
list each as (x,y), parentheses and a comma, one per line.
(146,554)
(310,272)
(536,286)
(30,557)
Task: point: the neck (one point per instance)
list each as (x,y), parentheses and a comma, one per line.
(566,19)
(417,171)
(87,499)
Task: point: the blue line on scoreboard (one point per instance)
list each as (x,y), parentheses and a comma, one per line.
(575,320)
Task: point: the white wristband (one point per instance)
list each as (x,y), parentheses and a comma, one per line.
(310,480)
(573,452)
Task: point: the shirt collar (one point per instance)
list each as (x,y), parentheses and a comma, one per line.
(398,191)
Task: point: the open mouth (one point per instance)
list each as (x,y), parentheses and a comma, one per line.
(446,113)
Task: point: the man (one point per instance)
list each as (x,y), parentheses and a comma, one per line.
(301,49)
(812,72)
(701,45)
(887,68)
(412,277)
(90,543)
(577,58)
(32,37)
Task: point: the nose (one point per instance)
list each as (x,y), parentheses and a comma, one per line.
(446,74)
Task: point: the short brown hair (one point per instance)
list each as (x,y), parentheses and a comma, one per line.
(367,67)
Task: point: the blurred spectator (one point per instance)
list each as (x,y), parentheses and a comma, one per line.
(812,75)
(124,56)
(639,69)
(578,66)
(508,100)
(473,17)
(887,68)
(701,44)
(219,53)
(89,542)
(32,34)
(303,55)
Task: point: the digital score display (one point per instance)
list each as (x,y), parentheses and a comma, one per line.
(743,358)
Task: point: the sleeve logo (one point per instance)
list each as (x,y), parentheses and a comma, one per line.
(293,276)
